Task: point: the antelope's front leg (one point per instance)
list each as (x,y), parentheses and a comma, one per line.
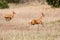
(8,19)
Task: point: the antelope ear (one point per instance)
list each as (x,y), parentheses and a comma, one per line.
(43,14)
(14,12)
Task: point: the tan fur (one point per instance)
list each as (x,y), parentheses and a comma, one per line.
(39,21)
(33,22)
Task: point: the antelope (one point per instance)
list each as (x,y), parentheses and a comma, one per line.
(9,16)
(38,21)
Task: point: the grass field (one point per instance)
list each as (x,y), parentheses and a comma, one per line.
(20,29)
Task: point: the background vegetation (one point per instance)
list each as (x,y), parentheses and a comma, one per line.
(54,3)
(4,3)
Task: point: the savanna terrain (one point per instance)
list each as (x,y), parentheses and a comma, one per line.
(19,27)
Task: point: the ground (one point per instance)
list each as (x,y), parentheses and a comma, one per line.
(19,28)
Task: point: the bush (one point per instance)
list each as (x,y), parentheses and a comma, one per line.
(3,5)
(54,3)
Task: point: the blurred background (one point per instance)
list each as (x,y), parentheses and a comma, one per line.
(4,3)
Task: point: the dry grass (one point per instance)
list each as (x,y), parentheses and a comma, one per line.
(53,22)
(16,35)
(19,29)
(21,35)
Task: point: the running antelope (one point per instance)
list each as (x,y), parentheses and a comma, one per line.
(9,16)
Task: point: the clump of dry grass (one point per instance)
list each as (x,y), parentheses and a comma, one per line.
(52,22)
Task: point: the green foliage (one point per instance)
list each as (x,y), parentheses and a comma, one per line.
(3,5)
(54,3)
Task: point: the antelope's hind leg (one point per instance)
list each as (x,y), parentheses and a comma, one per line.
(42,24)
(8,19)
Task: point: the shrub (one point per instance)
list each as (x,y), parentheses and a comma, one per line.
(3,5)
(54,3)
